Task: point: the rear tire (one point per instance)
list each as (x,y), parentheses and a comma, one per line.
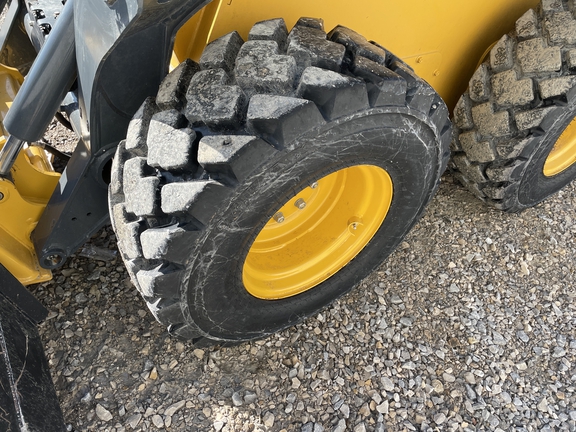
(515,139)
(229,144)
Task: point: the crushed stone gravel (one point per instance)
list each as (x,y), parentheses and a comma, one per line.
(469,325)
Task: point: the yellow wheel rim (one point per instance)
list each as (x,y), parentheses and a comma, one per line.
(563,154)
(317,232)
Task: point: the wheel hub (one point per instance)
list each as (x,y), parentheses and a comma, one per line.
(317,232)
(563,154)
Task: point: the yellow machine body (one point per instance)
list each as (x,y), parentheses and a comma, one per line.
(443,40)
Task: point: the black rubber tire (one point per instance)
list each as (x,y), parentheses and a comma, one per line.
(228,141)
(517,104)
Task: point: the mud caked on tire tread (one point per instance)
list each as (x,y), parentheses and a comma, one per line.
(227,141)
(517,104)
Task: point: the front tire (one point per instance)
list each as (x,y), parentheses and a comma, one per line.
(270,179)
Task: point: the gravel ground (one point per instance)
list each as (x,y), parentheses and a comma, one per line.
(469,325)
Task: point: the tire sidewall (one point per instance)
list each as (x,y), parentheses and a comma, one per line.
(213,295)
(535,186)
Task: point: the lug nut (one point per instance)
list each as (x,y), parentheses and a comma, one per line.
(300,203)
(354,224)
(314,185)
(278,217)
(1,196)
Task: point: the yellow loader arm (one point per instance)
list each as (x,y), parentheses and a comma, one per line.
(23,200)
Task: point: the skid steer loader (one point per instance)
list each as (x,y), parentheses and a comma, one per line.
(255,164)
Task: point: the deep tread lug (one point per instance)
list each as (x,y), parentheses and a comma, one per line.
(170,148)
(535,57)
(310,48)
(470,171)
(334,94)
(490,122)
(185,331)
(551,6)
(219,107)
(255,50)
(172,118)
(203,80)
(315,23)
(512,149)
(556,87)
(142,199)
(117,171)
(479,85)
(167,311)
(159,282)
(509,90)
(281,119)
(259,69)
(358,45)
(128,232)
(174,86)
(531,119)
(384,86)
(501,55)
(199,198)
(274,30)
(420,96)
(571,60)
(133,266)
(233,156)
(463,113)
(505,173)
(472,187)
(477,151)
(561,28)
(527,25)
(222,52)
(138,127)
(500,193)
(172,243)
(134,170)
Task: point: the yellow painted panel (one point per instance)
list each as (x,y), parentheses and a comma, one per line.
(22,200)
(19,218)
(193,36)
(443,40)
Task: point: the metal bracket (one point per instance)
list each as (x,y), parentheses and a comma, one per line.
(42,18)
(16,49)
(77,209)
